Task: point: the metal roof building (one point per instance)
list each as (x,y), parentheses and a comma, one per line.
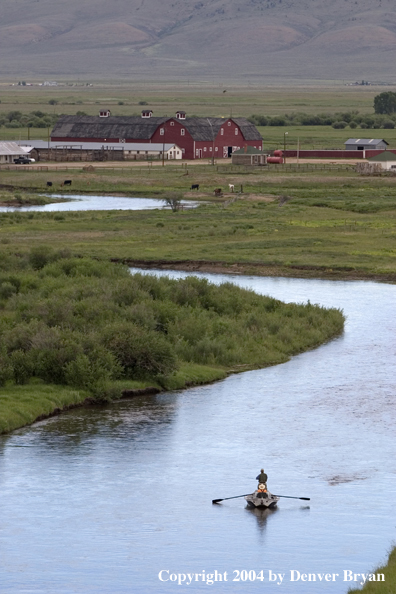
(363,144)
(10,150)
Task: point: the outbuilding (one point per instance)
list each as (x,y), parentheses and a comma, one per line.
(249,155)
(364,144)
(11,150)
(96,151)
(387,160)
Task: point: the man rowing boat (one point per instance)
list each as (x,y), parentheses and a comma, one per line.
(262,478)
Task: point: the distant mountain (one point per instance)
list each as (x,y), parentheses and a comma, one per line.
(222,39)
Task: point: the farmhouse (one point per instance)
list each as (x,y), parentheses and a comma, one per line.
(386,160)
(364,144)
(10,151)
(197,137)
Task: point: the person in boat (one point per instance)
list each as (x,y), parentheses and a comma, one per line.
(262,478)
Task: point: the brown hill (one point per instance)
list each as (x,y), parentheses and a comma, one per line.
(227,39)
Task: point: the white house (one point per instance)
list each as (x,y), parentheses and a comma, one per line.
(11,150)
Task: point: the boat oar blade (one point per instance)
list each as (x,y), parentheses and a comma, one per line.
(289,497)
(226,498)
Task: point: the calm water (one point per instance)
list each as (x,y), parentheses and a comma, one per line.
(84,202)
(101,500)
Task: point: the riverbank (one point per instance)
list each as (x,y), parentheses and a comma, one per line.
(22,405)
(388,586)
(258,269)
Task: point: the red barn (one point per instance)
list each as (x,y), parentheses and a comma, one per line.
(197,137)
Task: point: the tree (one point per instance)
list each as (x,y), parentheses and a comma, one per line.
(385,102)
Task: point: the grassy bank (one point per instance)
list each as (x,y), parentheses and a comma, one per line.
(379,587)
(91,328)
(21,405)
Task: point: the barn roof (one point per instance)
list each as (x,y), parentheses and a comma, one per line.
(143,128)
(111,127)
(370,141)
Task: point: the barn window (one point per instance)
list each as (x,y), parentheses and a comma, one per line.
(216,149)
(183,151)
(197,152)
(222,131)
(210,148)
(236,131)
(172,123)
(182,131)
(229,123)
(162,131)
(204,149)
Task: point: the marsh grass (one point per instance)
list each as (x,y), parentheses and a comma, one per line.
(386,587)
(22,404)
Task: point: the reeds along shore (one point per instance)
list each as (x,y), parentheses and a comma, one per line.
(91,327)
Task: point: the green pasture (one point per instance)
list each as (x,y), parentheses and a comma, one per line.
(201,98)
(331,219)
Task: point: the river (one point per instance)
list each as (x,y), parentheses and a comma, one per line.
(101,500)
(83,202)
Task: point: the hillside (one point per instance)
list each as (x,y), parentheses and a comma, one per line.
(226,39)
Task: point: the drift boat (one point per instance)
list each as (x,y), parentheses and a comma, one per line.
(262,498)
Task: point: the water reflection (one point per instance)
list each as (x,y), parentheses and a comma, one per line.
(131,420)
(261,515)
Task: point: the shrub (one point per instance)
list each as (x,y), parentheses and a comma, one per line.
(339,125)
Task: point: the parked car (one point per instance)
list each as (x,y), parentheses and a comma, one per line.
(24,160)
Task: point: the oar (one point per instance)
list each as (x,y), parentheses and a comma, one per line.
(289,497)
(225,498)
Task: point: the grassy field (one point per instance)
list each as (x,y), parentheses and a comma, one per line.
(200,99)
(333,221)
(197,98)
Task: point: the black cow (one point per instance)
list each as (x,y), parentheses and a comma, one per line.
(217,192)
(49,184)
(195,187)
(67,182)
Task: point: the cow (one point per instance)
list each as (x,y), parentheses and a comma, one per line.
(217,192)
(49,184)
(232,187)
(67,182)
(195,187)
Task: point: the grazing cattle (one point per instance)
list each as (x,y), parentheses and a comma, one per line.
(67,182)
(231,186)
(49,184)
(195,187)
(217,192)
